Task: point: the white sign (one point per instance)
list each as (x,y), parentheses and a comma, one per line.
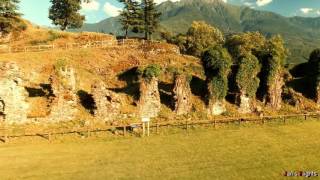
(144,119)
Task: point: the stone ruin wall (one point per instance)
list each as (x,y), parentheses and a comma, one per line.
(108,103)
(65,101)
(274,98)
(182,95)
(149,102)
(13,105)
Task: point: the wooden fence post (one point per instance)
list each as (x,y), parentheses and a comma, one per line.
(305,117)
(284,119)
(157,127)
(187,125)
(124,130)
(6,139)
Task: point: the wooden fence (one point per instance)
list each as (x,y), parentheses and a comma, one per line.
(7,132)
(84,45)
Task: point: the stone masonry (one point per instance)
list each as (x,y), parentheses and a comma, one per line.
(149,103)
(64,102)
(182,95)
(13,105)
(107,103)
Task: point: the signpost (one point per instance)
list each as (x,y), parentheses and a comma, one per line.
(145,122)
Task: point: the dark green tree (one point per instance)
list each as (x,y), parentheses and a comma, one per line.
(131,16)
(65,13)
(151,18)
(9,17)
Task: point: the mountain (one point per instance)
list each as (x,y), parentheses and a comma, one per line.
(301,34)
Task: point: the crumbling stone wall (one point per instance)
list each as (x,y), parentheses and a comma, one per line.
(182,95)
(245,103)
(13,105)
(274,94)
(149,102)
(64,102)
(107,103)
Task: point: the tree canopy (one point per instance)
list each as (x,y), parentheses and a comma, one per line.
(201,36)
(65,13)
(10,17)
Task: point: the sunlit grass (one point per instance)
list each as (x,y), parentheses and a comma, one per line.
(253,152)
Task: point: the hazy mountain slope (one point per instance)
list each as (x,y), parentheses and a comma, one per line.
(301,34)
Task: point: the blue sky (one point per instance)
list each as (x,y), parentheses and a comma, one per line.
(37,10)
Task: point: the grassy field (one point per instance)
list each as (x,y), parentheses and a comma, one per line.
(255,152)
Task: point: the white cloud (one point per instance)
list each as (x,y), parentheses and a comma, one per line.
(249,4)
(93,5)
(306,10)
(111,10)
(161,1)
(263,2)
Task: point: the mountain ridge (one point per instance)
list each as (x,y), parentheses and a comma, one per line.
(301,34)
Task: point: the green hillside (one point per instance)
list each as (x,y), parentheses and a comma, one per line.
(302,35)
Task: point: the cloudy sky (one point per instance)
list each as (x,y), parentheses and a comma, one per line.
(37,10)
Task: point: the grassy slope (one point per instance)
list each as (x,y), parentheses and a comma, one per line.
(236,153)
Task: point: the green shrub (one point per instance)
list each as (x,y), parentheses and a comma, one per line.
(150,72)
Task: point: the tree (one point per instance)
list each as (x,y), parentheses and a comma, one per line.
(151,18)
(131,16)
(65,13)
(9,17)
(201,36)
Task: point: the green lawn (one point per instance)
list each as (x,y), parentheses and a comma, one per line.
(255,152)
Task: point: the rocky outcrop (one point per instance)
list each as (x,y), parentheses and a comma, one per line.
(149,102)
(182,95)
(64,102)
(13,105)
(107,103)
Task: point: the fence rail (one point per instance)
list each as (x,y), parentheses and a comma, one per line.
(89,44)
(7,132)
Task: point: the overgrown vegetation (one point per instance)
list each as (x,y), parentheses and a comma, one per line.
(216,63)
(198,38)
(151,71)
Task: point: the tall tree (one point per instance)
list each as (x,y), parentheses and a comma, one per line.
(65,13)
(151,18)
(9,17)
(130,16)
(201,36)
